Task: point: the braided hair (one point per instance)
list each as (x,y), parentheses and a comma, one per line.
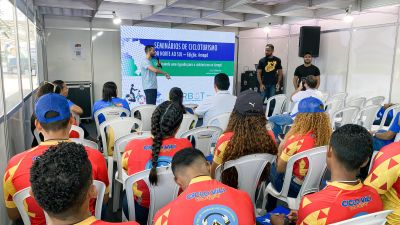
(165,121)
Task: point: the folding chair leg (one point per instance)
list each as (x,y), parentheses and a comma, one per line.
(116,195)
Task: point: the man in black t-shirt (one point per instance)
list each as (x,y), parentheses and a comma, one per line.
(304,70)
(269,72)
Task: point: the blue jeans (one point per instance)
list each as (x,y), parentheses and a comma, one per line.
(277,181)
(151,96)
(141,212)
(279,121)
(270,90)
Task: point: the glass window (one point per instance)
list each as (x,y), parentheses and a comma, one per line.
(9,55)
(22,25)
(33,53)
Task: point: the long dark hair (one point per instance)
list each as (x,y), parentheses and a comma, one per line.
(176,95)
(165,120)
(109,91)
(47,88)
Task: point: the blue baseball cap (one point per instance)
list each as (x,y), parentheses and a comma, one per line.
(52,103)
(311,105)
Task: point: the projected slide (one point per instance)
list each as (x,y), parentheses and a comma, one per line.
(191,57)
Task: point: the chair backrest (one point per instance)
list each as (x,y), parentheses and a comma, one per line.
(144,113)
(372,160)
(280,101)
(77,119)
(121,143)
(396,109)
(333,105)
(85,142)
(79,130)
(187,122)
(366,116)
(221,120)
(378,218)
(325,97)
(101,189)
(338,96)
(249,169)
(357,102)
(316,169)
(120,127)
(204,137)
(378,100)
(347,115)
(36,134)
(109,113)
(191,106)
(161,194)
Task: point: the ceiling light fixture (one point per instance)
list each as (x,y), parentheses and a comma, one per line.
(348,18)
(116,19)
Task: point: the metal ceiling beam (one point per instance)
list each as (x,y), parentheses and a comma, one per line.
(195,4)
(228,4)
(69,4)
(251,9)
(223,15)
(291,6)
(191,13)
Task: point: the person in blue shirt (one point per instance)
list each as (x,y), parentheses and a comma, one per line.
(383,138)
(110,99)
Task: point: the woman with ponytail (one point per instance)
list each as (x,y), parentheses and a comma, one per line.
(150,153)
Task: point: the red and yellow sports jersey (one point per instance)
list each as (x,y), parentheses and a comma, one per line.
(296,144)
(17,177)
(338,202)
(223,141)
(206,201)
(141,151)
(93,221)
(385,179)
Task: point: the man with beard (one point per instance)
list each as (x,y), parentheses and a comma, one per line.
(304,70)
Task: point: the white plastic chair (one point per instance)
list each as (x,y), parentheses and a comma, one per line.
(338,96)
(378,218)
(280,101)
(36,134)
(366,116)
(396,110)
(205,138)
(79,130)
(332,106)
(357,102)
(249,169)
(145,111)
(221,120)
(161,194)
(85,142)
(23,194)
(121,176)
(325,97)
(120,127)
(187,122)
(311,183)
(191,106)
(344,116)
(109,113)
(77,119)
(378,100)
(372,160)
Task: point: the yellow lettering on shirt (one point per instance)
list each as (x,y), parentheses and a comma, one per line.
(270,66)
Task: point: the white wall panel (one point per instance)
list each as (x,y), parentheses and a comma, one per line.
(294,61)
(395,95)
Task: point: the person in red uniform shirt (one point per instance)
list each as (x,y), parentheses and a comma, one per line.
(203,200)
(150,153)
(62,184)
(246,134)
(54,121)
(385,178)
(345,197)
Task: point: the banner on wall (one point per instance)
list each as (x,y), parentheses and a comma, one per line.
(191,57)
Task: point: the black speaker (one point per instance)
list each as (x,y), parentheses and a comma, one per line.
(309,40)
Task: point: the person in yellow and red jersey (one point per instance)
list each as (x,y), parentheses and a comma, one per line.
(203,200)
(150,153)
(345,196)
(246,134)
(53,120)
(311,128)
(385,178)
(62,184)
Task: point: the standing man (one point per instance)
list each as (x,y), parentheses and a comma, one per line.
(269,72)
(149,75)
(305,70)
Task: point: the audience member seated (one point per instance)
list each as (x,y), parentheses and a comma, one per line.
(64,92)
(222,102)
(311,128)
(383,138)
(379,115)
(203,200)
(246,134)
(150,153)
(176,95)
(45,88)
(54,120)
(345,196)
(384,178)
(279,121)
(62,184)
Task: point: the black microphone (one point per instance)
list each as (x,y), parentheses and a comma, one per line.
(158,62)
